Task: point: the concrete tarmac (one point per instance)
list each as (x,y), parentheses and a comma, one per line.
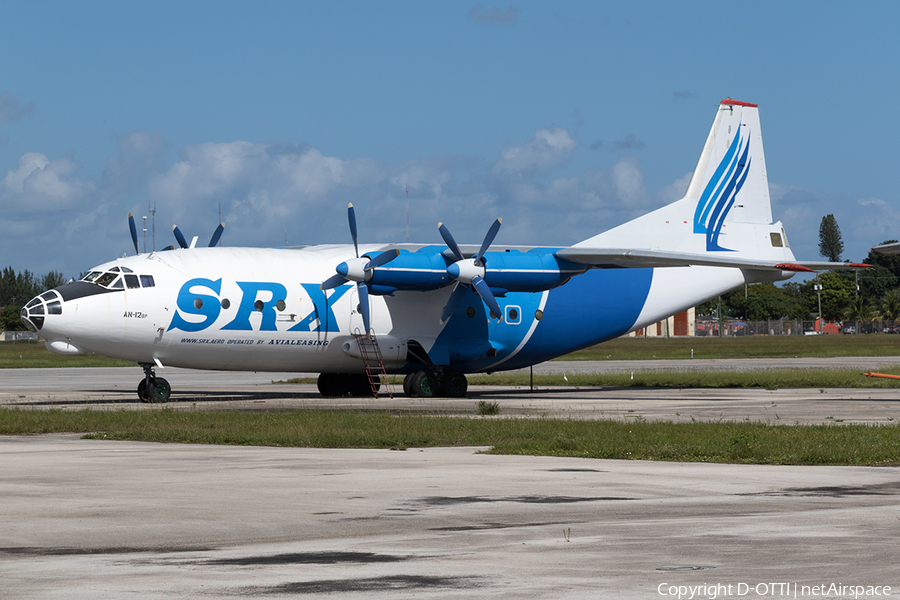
(101,519)
(96,519)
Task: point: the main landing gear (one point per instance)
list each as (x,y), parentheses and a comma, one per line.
(338,385)
(420,384)
(153,388)
(426,384)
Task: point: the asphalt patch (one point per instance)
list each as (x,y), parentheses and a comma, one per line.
(367,584)
(455,500)
(309,558)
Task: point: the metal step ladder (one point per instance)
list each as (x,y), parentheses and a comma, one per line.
(374,362)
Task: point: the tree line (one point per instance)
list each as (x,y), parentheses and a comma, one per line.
(17,288)
(845,295)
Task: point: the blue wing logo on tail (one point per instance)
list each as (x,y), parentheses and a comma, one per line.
(723,187)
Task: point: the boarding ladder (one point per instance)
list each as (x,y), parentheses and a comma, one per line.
(374,362)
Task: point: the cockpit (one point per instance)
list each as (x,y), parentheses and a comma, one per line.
(117,278)
(113,279)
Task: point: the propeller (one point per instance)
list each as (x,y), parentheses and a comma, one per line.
(133,228)
(359,269)
(468,272)
(179,237)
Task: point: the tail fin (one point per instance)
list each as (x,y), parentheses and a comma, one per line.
(726,208)
(730,178)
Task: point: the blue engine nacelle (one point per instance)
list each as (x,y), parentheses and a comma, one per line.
(533,271)
(508,271)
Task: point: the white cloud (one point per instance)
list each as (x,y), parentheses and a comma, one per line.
(39,184)
(546,149)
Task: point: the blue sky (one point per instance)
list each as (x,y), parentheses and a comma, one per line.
(564,118)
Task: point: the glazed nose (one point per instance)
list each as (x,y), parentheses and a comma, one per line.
(34,313)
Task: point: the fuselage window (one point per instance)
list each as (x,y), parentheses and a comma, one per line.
(776,240)
(131,282)
(147,281)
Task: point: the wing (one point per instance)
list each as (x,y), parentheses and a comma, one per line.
(613,258)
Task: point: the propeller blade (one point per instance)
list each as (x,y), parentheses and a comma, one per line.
(488,240)
(351,214)
(333,282)
(448,239)
(169,248)
(133,228)
(382,259)
(455,297)
(363,293)
(179,237)
(217,235)
(485,292)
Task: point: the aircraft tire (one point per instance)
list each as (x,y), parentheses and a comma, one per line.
(407,384)
(142,391)
(160,390)
(328,385)
(423,385)
(360,387)
(454,385)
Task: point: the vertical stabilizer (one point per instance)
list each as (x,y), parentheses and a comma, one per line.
(726,208)
(730,179)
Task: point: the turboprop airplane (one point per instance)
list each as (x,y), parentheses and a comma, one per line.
(435,312)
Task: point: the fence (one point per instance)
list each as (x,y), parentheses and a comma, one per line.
(15,336)
(737,328)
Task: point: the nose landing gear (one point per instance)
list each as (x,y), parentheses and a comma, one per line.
(153,388)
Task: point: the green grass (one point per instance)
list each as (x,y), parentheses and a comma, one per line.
(34,355)
(705,442)
(768,379)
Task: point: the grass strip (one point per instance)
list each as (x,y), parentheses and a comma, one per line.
(776,346)
(769,379)
(721,442)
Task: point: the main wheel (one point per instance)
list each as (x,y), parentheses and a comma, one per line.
(360,386)
(334,385)
(423,385)
(454,385)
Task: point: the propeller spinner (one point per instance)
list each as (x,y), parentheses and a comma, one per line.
(358,269)
(470,271)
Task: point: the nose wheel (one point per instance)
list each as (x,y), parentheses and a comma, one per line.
(153,388)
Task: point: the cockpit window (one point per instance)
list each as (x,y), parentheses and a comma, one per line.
(105,279)
(113,280)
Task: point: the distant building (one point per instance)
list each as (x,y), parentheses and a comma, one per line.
(681,325)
